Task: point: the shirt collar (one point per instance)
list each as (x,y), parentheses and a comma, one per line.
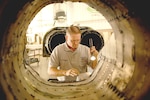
(67,47)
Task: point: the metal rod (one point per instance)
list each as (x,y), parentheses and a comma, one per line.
(90,42)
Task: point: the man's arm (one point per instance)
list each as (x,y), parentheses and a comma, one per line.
(53,71)
(94,52)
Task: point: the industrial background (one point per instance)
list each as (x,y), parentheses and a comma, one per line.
(123,69)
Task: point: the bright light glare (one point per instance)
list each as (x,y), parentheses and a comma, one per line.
(93,58)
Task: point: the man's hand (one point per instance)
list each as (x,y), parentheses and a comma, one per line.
(72,72)
(93,51)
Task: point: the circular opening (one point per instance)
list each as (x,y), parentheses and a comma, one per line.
(55,39)
(29,76)
(97,38)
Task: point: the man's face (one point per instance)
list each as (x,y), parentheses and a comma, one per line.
(73,40)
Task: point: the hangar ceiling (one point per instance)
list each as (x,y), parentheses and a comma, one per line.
(123,70)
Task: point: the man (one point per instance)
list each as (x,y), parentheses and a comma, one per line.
(71,58)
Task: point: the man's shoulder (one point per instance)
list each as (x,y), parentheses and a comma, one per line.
(59,46)
(84,47)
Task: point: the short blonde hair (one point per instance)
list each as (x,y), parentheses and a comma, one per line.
(73,30)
